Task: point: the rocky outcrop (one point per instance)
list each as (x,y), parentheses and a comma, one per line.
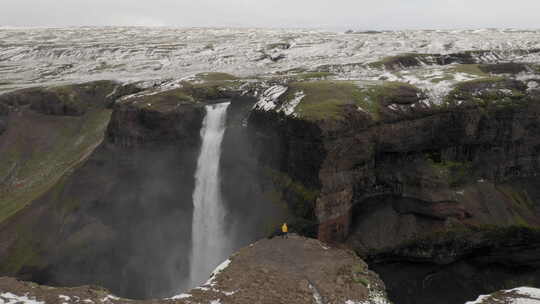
(520,295)
(488,57)
(292,270)
(69,100)
(149,120)
(455,266)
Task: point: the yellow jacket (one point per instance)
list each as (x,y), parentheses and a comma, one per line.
(284,228)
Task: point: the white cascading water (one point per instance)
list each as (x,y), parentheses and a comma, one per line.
(209,239)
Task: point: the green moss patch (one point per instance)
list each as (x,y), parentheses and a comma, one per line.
(164,101)
(30,168)
(24,253)
(298,199)
(472,69)
(324,99)
(457,173)
(488,91)
(519,196)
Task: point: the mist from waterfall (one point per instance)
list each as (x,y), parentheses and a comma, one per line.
(210,244)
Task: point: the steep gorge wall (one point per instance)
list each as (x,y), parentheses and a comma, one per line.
(122,217)
(458,170)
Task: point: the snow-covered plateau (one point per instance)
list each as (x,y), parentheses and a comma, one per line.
(45,56)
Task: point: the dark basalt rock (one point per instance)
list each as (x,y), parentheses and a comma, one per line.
(69,100)
(401,94)
(456,266)
(504,68)
(468,57)
(132,126)
(4,111)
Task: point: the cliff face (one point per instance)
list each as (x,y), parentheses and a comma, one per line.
(414,166)
(373,167)
(393,168)
(81,229)
(121,216)
(456,266)
(40,141)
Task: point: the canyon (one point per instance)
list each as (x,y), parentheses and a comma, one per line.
(425,166)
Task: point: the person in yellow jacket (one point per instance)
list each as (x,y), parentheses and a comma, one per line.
(284,230)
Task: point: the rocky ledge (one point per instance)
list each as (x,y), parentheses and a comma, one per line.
(520,295)
(292,270)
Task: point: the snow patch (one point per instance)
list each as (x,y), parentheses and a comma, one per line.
(216,271)
(269,97)
(180,296)
(316,295)
(9,298)
(65,298)
(520,295)
(108,298)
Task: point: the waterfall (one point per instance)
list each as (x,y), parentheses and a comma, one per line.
(209,240)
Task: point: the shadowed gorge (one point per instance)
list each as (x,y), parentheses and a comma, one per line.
(134,194)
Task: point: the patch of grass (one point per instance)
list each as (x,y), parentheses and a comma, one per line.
(166,100)
(446,77)
(485,80)
(283,181)
(24,252)
(372,97)
(457,173)
(297,199)
(361,280)
(35,169)
(472,69)
(324,99)
(359,273)
(483,91)
(519,197)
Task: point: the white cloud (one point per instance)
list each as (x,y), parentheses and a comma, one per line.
(357,14)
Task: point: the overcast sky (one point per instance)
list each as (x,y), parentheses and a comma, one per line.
(331,14)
